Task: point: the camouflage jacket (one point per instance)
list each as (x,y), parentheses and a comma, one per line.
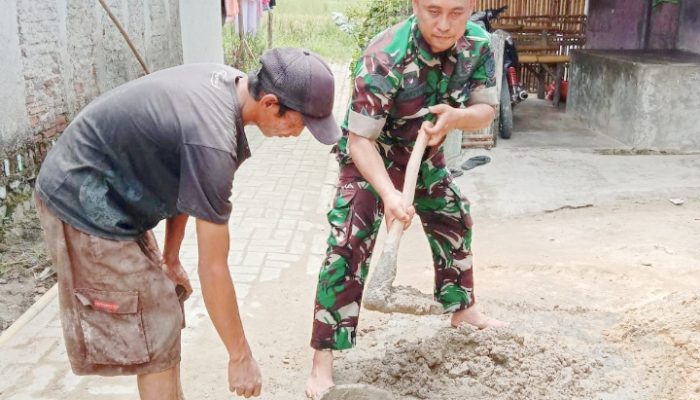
(398,77)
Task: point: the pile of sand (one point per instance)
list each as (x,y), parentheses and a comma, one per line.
(663,337)
(489,364)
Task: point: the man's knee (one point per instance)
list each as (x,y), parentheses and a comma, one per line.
(163,385)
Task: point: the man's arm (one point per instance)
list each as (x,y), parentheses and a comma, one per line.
(471,118)
(174,233)
(220,300)
(367,159)
(475,117)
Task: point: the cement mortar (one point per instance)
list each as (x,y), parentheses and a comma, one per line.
(406,300)
(495,363)
(356,392)
(383,297)
(666,342)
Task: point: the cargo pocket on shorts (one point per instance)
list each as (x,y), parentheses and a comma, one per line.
(340,216)
(112,327)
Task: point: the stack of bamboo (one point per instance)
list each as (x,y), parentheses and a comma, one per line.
(546,26)
(521,8)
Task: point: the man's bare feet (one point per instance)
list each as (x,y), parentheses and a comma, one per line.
(476,318)
(321,378)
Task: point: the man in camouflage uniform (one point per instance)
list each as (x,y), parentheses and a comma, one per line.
(424,67)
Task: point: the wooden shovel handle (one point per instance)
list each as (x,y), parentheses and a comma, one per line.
(409,180)
(409,184)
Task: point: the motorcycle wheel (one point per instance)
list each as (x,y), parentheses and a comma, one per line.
(505,117)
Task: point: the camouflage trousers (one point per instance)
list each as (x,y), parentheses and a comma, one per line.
(355,220)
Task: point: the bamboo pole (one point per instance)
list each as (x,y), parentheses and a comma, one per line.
(269,28)
(125,35)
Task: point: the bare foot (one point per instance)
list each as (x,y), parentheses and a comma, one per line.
(476,318)
(321,378)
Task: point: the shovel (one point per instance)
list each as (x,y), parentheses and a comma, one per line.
(380,295)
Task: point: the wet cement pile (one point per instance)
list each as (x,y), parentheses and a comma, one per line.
(485,364)
(404,300)
(663,337)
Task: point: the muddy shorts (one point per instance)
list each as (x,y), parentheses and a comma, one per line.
(120,312)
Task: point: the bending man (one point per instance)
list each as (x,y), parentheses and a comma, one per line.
(165,146)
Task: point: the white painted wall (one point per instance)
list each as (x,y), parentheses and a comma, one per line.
(13,113)
(200,22)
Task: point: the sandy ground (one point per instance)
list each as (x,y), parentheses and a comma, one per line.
(603,301)
(25,272)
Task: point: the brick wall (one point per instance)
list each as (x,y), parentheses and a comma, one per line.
(17,174)
(58,55)
(66,52)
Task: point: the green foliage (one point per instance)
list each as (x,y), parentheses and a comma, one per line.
(247,58)
(298,23)
(316,32)
(309,24)
(371,17)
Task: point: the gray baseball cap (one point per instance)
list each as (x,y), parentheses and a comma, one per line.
(302,81)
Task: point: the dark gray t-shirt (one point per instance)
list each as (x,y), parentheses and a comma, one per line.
(161,145)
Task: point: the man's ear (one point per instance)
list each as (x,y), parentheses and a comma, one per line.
(269,100)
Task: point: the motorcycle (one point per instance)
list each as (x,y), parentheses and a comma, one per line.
(511,91)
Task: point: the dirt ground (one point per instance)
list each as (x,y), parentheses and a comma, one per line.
(25,271)
(604,303)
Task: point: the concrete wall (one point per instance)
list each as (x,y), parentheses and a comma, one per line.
(689,31)
(57,55)
(645,99)
(202,39)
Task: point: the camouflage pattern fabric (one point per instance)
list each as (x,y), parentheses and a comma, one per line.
(396,79)
(355,220)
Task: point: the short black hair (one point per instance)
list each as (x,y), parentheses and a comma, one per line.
(283,109)
(255,89)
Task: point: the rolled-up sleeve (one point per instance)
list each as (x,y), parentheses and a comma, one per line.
(375,85)
(483,81)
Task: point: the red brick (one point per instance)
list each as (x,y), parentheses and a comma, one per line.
(61,122)
(50,132)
